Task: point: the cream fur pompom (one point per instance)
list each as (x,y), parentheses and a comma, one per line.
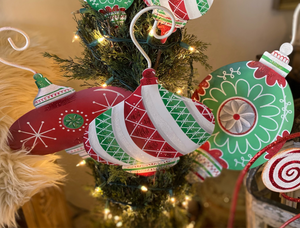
(22,175)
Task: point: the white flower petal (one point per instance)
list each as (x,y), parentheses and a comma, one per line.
(228,109)
(234,106)
(247,115)
(239,126)
(226,117)
(229,124)
(245,122)
(243,108)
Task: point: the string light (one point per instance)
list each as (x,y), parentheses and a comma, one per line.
(119,224)
(116,218)
(108,82)
(98,189)
(173,200)
(192,49)
(83,162)
(106,211)
(76,37)
(184,203)
(179,91)
(104,85)
(101,39)
(151,33)
(187,198)
(143,188)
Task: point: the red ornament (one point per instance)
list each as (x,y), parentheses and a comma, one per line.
(61,124)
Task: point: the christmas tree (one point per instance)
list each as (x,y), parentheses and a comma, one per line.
(110,58)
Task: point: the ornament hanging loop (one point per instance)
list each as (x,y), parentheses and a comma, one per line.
(136,17)
(12,44)
(295,24)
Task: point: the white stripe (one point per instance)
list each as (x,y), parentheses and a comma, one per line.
(98,148)
(123,138)
(210,2)
(191,7)
(164,122)
(279,62)
(202,121)
(165,3)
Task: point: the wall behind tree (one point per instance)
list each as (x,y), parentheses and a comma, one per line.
(237,31)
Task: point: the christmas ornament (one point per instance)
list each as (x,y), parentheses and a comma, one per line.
(206,165)
(151,124)
(22,175)
(281,172)
(114,10)
(183,11)
(60,117)
(253,106)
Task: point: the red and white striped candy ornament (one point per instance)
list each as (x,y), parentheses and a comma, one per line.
(282,171)
(183,11)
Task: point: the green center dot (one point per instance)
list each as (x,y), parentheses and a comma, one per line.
(73,121)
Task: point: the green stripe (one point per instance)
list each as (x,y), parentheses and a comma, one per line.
(203,167)
(141,168)
(275,64)
(210,159)
(167,20)
(54,97)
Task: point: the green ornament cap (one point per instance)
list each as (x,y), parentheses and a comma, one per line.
(48,92)
(40,81)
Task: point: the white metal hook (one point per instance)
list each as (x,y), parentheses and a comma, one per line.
(136,17)
(295,24)
(12,44)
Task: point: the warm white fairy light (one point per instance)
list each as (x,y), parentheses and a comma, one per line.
(173,200)
(83,162)
(179,91)
(76,37)
(144,188)
(119,224)
(191,48)
(187,198)
(101,39)
(104,85)
(184,203)
(98,189)
(116,218)
(151,33)
(106,211)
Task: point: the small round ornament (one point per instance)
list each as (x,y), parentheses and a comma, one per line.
(61,117)
(112,9)
(183,11)
(282,172)
(253,106)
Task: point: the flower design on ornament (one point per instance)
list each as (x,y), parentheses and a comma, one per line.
(237,116)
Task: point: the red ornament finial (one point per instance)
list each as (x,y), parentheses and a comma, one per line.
(149,77)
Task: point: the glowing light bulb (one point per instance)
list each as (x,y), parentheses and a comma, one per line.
(106,211)
(151,33)
(192,49)
(119,224)
(98,189)
(116,218)
(76,37)
(83,162)
(100,39)
(104,85)
(187,198)
(184,203)
(173,199)
(179,91)
(144,188)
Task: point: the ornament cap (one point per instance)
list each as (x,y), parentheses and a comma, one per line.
(41,81)
(149,77)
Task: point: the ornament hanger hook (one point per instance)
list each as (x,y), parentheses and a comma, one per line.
(295,24)
(136,17)
(12,44)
